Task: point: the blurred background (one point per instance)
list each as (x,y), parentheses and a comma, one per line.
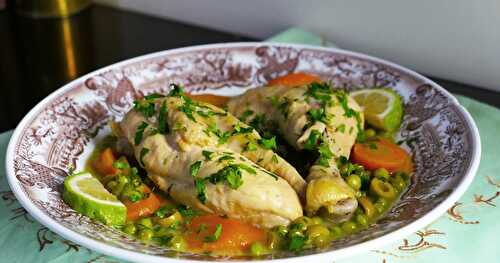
(47,43)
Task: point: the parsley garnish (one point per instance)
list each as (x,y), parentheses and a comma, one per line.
(194,168)
(176,91)
(296,243)
(313,140)
(237,129)
(247,113)
(225,158)
(216,235)
(162,119)
(207,155)
(325,154)
(143,153)
(199,183)
(186,211)
(140,132)
(118,164)
(250,146)
(269,144)
(341,128)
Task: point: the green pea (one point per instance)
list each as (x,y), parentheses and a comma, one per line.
(403,175)
(349,227)
(380,208)
(383,202)
(145,234)
(354,181)
(336,232)
(274,240)
(362,220)
(304,220)
(111,185)
(370,133)
(358,169)
(281,230)
(381,173)
(145,222)
(382,189)
(129,229)
(257,249)
(317,230)
(344,170)
(177,243)
(398,183)
(316,220)
(321,241)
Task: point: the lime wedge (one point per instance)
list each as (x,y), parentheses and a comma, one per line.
(383,108)
(87,195)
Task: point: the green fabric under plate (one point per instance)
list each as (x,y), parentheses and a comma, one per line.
(468,235)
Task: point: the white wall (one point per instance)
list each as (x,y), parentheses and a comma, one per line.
(455,39)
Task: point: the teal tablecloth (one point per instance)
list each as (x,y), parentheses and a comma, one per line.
(468,233)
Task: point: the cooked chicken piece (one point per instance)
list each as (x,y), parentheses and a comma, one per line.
(312,117)
(205,158)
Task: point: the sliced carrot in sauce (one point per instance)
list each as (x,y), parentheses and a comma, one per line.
(295,79)
(103,164)
(216,100)
(236,236)
(144,207)
(382,154)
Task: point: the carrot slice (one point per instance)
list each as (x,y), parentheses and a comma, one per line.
(103,164)
(216,100)
(236,236)
(382,154)
(295,79)
(144,207)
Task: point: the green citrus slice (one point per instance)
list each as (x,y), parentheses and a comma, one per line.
(382,108)
(85,194)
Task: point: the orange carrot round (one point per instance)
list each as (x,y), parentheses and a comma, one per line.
(295,79)
(236,236)
(144,207)
(381,154)
(216,100)
(103,164)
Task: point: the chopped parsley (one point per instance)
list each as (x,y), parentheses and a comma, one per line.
(297,242)
(250,146)
(143,153)
(140,132)
(341,128)
(207,154)
(194,168)
(283,107)
(199,184)
(325,154)
(186,211)
(269,144)
(274,159)
(247,113)
(162,119)
(216,235)
(317,115)
(223,136)
(176,91)
(225,158)
(119,164)
(313,140)
(237,129)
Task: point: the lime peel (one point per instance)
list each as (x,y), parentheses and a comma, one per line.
(382,107)
(85,194)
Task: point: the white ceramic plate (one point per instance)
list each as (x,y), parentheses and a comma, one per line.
(60,132)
